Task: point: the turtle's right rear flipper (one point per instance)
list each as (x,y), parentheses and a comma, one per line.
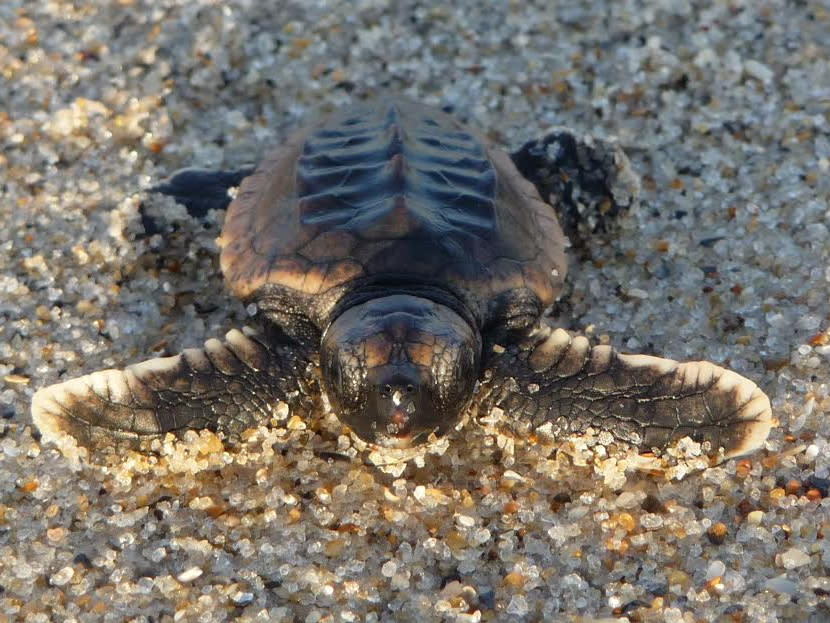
(201,190)
(227,386)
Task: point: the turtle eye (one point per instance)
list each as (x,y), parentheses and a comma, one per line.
(386,391)
(410,388)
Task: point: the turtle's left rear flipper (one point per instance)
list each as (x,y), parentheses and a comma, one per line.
(227,386)
(588,181)
(648,401)
(201,190)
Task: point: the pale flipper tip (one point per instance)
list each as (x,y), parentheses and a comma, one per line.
(753,419)
(75,409)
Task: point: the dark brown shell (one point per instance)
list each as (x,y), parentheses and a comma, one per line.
(390,196)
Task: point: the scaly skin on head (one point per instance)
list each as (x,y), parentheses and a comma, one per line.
(399,368)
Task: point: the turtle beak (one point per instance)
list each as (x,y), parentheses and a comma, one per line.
(400,407)
(399,422)
(402,441)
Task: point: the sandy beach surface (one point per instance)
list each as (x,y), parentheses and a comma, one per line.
(724,110)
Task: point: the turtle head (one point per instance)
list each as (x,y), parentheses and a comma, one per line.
(399,368)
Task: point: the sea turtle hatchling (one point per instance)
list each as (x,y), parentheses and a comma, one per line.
(401,265)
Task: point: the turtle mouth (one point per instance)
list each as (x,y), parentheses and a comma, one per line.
(406,439)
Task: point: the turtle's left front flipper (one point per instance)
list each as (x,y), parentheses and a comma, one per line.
(201,190)
(227,386)
(647,401)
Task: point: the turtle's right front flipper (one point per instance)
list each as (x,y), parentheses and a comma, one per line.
(557,379)
(227,386)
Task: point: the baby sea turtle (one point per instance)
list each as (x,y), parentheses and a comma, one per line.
(401,265)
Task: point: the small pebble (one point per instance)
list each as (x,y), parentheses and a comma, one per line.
(63,576)
(626,522)
(781,585)
(295,423)
(242,599)
(627,499)
(755,517)
(794,557)
(793,487)
(389,568)
(517,606)
(16,379)
(189,574)
(514,579)
(715,569)
(758,70)
(334,547)
(717,533)
(673,615)
(650,521)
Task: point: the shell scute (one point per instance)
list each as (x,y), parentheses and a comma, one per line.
(389,191)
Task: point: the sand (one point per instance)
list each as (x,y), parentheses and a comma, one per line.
(724,112)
